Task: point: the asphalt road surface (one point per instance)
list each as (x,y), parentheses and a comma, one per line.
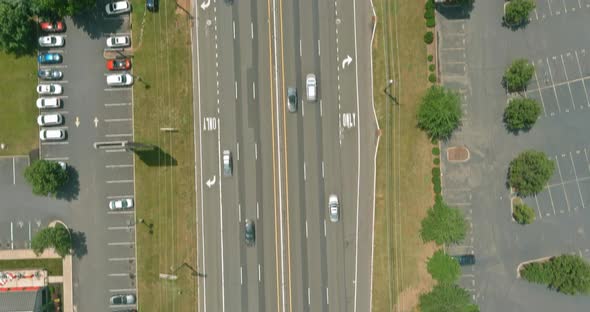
(285,165)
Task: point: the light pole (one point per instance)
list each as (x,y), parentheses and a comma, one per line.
(386,91)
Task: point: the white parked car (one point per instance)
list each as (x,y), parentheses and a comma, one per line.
(119,80)
(118,7)
(118,41)
(51,89)
(123,203)
(52,134)
(48,103)
(51,41)
(49,120)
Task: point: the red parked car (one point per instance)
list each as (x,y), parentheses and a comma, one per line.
(119,64)
(52,26)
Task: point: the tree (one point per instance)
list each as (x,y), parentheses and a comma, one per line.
(17,34)
(568,274)
(443,267)
(523,214)
(46,177)
(443,224)
(529,172)
(517,11)
(54,9)
(57,237)
(446,297)
(518,75)
(439,113)
(521,114)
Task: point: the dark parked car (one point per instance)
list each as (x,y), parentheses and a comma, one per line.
(465,259)
(249,232)
(49,58)
(49,74)
(151,5)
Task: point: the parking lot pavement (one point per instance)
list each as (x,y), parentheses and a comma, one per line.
(549,8)
(562,82)
(95,112)
(568,190)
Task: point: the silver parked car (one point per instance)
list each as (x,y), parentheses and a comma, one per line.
(334,208)
(122,203)
(122,299)
(50,120)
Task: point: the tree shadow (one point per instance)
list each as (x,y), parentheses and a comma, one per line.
(93,22)
(71,189)
(79,244)
(29,43)
(156,157)
(455,11)
(515,27)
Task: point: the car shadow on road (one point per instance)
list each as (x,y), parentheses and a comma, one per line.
(94,23)
(156,157)
(71,189)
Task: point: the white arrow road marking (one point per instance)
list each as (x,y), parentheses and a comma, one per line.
(95,122)
(205,4)
(77,121)
(346,61)
(210,182)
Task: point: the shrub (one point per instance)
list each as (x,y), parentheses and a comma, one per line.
(430,57)
(437,188)
(436,161)
(434,141)
(517,11)
(435,151)
(443,267)
(523,214)
(430,22)
(518,74)
(431,67)
(428,37)
(429,5)
(432,78)
(435,180)
(443,224)
(435,171)
(521,114)
(568,274)
(428,14)
(529,172)
(438,199)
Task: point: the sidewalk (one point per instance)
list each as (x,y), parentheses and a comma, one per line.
(68,298)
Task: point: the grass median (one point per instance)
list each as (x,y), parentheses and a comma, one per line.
(404,160)
(18,128)
(164,176)
(54,267)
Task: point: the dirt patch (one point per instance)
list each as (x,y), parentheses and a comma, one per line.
(408,298)
(457,154)
(183,6)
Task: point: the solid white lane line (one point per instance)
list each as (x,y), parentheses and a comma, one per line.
(356,73)
(221,218)
(304,172)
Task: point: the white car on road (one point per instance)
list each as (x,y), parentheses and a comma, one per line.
(123,203)
(51,89)
(118,7)
(49,120)
(119,80)
(334,208)
(118,41)
(51,41)
(52,134)
(48,103)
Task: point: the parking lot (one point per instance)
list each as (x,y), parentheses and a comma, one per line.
(548,8)
(95,112)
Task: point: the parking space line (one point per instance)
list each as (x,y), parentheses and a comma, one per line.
(551,198)
(116,89)
(13,171)
(123,290)
(11,235)
(116,228)
(538,208)
(122,259)
(118,274)
(53,66)
(118,166)
(567,81)
(120,212)
(583,84)
(119,196)
(562,185)
(54,143)
(550,11)
(568,181)
(119,150)
(587,161)
(119,181)
(553,83)
(121,244)
(577,182)
(119,135)
(117,120)
(56,158)
(117,104)
(539,89)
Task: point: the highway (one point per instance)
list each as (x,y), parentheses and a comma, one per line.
(285,165)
